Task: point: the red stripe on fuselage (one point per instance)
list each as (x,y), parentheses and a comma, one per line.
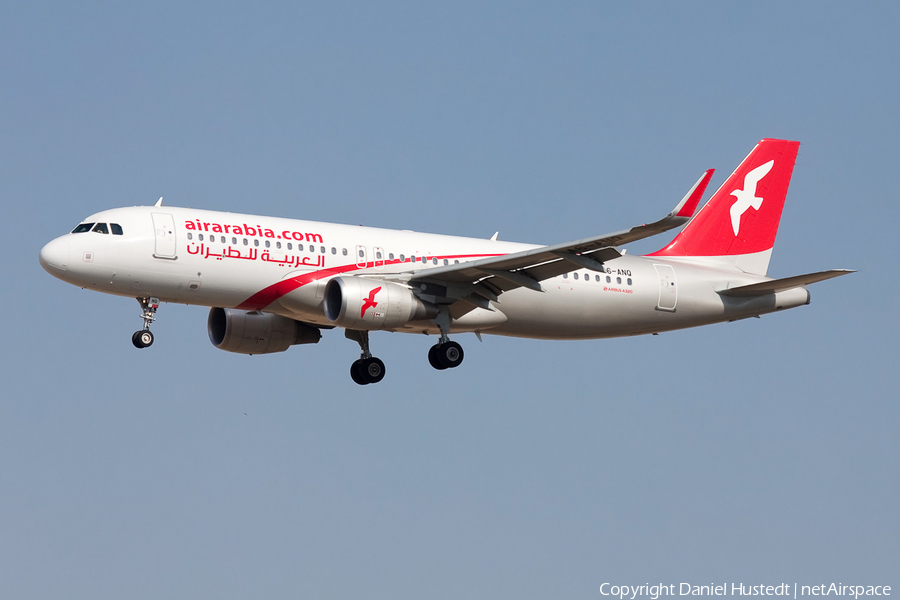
(267,296)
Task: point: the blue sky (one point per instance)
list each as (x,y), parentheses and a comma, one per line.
(764,450)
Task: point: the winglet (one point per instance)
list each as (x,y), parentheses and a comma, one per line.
(159,202)
(680,215)
(689,203)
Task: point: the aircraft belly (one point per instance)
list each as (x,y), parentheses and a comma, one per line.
(577,312)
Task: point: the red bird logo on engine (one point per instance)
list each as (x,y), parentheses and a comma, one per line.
(369,302)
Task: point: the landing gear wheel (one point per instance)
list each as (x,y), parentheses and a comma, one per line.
(450,354)
(142,339)
(372,370)
(356,373)
(367,370)
(445,356)
(433,358)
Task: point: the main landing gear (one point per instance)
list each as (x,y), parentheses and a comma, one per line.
(144,338)
(445,355)
(367,369)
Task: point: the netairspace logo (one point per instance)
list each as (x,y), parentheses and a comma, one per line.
(654,592)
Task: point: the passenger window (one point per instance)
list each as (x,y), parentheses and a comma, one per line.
(391,256)
(190,235)
(100,228)
(446,262)
(222,239)
(234,241)
(608,280)
(596,278)
(300,247)
(333,250)
(83,227)
(278,245)
(200,236)
(322,249)
(267,244)
(629,281)
(344,251)
(245,241)
(565,275)
(402,258)
(618,280)
(290,246)
(361,254)
(574,275)
(378,254)
(434,260)
(256,242)
(116,228)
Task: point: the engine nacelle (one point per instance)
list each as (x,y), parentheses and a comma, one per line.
(256,332)
(361,303)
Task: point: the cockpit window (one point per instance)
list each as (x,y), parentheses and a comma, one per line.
(100,228)
(116,228)
(83,227)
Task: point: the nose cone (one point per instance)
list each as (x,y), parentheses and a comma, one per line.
(55,256)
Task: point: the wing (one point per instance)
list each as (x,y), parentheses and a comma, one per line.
(477,282)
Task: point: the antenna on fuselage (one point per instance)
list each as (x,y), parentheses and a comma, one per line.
(159,202)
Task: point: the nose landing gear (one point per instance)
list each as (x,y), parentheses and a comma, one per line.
(144,337)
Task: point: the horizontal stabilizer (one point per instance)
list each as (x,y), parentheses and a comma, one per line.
(779,285)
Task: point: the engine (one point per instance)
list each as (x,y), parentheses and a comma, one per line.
(360,303)
(256,332)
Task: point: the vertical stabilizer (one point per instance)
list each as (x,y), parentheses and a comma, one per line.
(739,223)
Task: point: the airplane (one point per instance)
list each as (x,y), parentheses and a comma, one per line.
(272,283)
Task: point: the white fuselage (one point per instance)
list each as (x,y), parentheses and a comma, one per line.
(282,265)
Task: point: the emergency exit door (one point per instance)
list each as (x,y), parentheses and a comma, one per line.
(668,291)
(164,228)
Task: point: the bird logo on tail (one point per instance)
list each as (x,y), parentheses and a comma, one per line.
(747,197)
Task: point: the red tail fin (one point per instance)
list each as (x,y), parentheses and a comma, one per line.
(740,221)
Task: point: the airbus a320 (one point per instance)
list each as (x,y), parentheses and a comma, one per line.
(272,282)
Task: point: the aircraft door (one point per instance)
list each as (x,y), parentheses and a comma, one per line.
(379,257)
(164,228)
(361,260)
(668,291)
